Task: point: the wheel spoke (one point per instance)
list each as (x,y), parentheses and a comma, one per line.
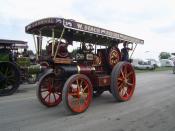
(119,79)
(121,93)
(85,88)
(130,73)
(46,95)
(78,86)
(124,91)
(81,83)
(122,74)
(55,96)
(130,84)
(126,94)
(125,70)
(49,98)
(115,54)
(120,86)
(85,95)
(77,83)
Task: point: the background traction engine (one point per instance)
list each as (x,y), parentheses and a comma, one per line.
(9,73)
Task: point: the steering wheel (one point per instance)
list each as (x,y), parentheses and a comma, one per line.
(114,56)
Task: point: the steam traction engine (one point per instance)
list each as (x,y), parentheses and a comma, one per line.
(88,70)
(15,67)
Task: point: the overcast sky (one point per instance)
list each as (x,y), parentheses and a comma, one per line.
(153,21)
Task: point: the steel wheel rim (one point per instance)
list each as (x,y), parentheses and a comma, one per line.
(126,82)
(79,95)
(50,93)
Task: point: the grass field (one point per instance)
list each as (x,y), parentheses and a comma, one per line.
(157,69)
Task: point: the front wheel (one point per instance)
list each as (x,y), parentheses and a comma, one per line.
(77,93)
(49,90)
(123,81)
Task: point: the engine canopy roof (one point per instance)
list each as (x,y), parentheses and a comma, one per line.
(77,31)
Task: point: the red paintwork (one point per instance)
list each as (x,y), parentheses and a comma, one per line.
(87,70)
(50,93)
(79,95)
(91,72)
(126,80)
(102,81)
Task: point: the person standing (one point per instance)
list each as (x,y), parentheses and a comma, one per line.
(125,52)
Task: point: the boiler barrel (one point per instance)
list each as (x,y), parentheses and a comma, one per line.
(69,70)
(87,70)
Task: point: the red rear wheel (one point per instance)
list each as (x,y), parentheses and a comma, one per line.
(77,93)
(123,81)
(49,91)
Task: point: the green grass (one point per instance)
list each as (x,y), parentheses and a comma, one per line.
(156,70)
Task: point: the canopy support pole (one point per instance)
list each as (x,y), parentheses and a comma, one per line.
(59,43)
(35,46)
(133,50)
(96,49)
(53,41)
(40,44)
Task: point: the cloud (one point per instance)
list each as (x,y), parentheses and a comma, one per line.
(146,19)
(135,10)
(165,29)
(35,9)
